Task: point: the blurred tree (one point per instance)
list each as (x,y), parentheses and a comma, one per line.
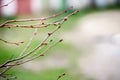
(118,2)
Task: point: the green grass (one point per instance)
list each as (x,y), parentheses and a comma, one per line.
(49,74)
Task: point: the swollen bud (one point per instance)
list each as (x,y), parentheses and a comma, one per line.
(22,42)
(59,26)
(42,55)
(44,43)
(60,40)
(65,18)
(49,34)
(63,74)
(43,23)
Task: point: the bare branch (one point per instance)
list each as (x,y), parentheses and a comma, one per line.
(16,43)
(23,57)
(7,4)
(32,19)
(30,41)
(59,26)
(35,56)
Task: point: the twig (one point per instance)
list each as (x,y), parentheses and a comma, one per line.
(43,43)
(42,25)
(60,76)
(7,4)
(32,19)
(16,43)
(36,56)
(30,41)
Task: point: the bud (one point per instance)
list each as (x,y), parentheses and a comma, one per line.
(51,40)
(42,55)
(60,40)
(31,26)
(43,23)
(57,23)
(59,26)
(65,11)
(22,42)
(17,44)
(49,34)
(78,11)
(44,43)
(65,18)
(63,74)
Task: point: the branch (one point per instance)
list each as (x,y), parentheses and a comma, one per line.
(20,59)
(30,41)
(42,54)
(16,43)
(60,76)
(7,4)
(43,43)
(33,19)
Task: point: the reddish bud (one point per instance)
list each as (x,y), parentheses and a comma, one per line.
(56,24)
(17,44)
(49,34)
(22,42)
(44,43)
(31,26)
(66,18)
(60,40)
(42,55)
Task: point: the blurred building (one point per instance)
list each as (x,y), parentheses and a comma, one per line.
(28,7)
(21,7)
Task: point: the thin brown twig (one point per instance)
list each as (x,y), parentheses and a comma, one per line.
(43,43)
(36,56)
(30,41)
(7,4)
(33,19)
(42,25)
(16,43)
